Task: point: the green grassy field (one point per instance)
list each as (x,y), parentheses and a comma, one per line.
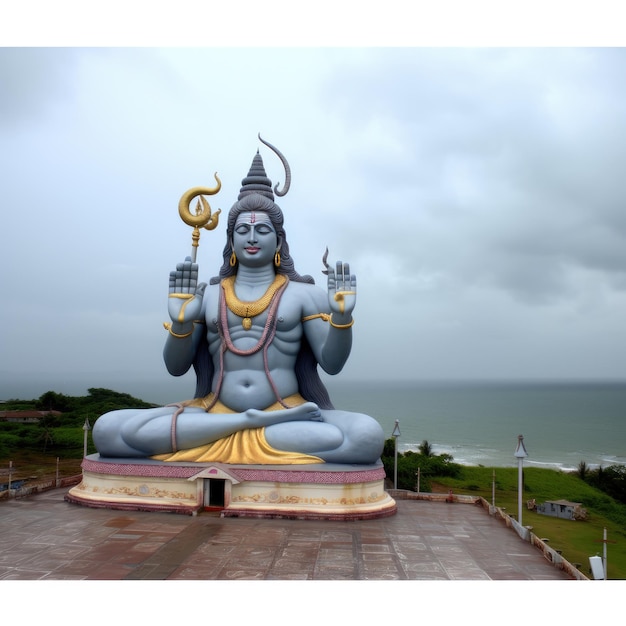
(578,540)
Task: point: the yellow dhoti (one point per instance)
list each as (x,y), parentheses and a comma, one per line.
(243,447)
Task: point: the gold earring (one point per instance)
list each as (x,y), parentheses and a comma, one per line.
(277,259)
(233,259)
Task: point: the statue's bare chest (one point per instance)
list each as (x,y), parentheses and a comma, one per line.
(246,323)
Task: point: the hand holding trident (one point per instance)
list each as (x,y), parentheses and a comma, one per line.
(203,217)
(185,295)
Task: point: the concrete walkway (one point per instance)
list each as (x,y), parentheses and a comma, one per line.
(44,537)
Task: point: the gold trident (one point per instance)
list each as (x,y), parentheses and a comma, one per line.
(203,217)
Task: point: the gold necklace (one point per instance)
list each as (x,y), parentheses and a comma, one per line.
(248,310)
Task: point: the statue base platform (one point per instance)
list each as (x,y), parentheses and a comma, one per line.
(319,491)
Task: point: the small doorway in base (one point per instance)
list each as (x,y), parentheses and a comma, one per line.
(214,493)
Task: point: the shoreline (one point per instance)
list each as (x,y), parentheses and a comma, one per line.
(469,459)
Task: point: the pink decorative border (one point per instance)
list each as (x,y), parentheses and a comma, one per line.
(132,469)
(256,473)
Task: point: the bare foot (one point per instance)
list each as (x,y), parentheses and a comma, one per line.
(309,411)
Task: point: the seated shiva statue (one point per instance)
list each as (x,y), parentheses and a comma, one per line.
(255,337)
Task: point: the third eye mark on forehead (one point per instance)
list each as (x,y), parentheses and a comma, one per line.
(254,219)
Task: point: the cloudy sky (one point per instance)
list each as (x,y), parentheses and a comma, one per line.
(478,194)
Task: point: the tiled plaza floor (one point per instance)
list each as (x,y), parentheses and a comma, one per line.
(44,537)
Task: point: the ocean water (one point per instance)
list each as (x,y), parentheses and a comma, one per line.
(479,423)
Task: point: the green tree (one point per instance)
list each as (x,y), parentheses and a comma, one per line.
(52,401)
(61,434)
(425,449)
(429,465)
(45,434)
(611,480)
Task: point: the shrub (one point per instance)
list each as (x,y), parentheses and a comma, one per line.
(409,463)
(611,480)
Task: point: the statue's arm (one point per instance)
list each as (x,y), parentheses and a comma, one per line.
(179,352)
(328,320)
(186,309)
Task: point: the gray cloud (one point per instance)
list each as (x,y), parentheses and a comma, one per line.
(478,195)
(515,151)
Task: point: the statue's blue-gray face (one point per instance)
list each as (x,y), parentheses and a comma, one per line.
(254,239)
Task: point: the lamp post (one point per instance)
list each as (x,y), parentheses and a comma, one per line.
(520,454)
(86,429)
(604,565)
(395,434)
(604,562)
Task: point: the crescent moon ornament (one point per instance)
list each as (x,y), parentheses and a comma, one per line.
(283,160)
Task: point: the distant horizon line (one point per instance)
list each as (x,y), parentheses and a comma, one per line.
(485,380)
(351,381)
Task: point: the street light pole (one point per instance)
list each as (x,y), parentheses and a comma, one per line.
(606,567)
(86,429)
(521,454)
(395,434)
(605,570)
